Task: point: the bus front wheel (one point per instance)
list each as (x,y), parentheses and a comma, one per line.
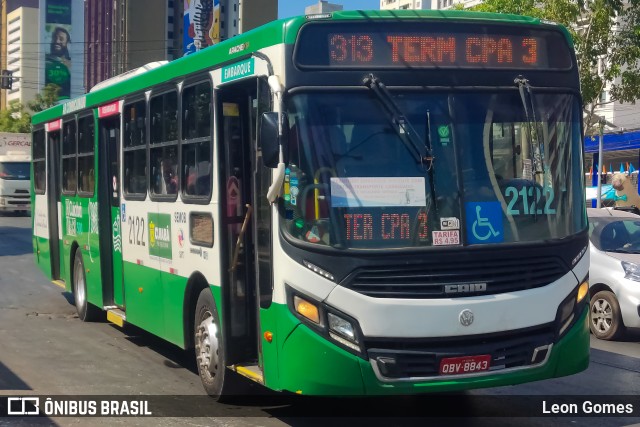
(209,347)
(87,312)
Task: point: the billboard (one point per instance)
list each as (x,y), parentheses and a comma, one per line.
(201,24)
(57,33)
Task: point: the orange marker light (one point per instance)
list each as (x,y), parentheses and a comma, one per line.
(583,291)
(140,290)
(306,309)
(268,336)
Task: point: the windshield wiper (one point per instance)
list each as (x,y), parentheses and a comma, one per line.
(405,131)
(399,121)
(536,151)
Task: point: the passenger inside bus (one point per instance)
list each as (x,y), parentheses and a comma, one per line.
(169,183)
(197,179)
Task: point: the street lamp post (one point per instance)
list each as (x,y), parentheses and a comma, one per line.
(602,122)
(601,163)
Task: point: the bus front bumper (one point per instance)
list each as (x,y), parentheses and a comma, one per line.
(311,365)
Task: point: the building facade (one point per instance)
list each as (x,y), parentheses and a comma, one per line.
(22,54)
(425,4)
(206,22)
(405,4)
(323,6)
(122,35)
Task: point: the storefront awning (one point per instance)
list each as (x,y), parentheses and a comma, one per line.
(613,142)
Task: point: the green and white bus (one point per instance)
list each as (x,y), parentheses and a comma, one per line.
(355,203)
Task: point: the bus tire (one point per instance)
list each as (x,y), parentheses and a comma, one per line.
(209,348)
(87,312)
(605,320)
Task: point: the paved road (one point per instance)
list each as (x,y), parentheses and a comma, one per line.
(46,350)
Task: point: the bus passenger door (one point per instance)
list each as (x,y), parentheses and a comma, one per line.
(238,265)
(53,201)
(109,205)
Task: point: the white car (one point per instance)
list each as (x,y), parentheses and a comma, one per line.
(614,274)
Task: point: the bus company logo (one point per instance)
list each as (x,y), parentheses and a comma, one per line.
(152,234)
(466,317)
(160,235)
(465,288)
(117,239)
(181,238)
(239,48)
(93,217)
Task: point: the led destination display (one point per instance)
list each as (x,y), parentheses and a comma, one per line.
(431,45)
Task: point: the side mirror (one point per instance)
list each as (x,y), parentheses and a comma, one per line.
(270,142)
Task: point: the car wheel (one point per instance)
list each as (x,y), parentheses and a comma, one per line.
(605,320)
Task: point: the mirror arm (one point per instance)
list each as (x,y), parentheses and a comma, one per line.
(278,176)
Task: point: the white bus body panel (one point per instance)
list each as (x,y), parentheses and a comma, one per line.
(421,318)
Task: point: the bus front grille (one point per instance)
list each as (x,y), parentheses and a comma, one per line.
(420,358)
(456,279)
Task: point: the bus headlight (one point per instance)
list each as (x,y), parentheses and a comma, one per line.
(342,331)
(333,325)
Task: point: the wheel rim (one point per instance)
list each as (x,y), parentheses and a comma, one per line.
(207,344)
(78,278)
(601,316)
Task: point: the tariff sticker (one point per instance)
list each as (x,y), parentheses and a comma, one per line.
(443,238)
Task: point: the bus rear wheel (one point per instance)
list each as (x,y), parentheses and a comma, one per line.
(209,348)
(87,312)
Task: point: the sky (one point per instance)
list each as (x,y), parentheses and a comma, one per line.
(287,8)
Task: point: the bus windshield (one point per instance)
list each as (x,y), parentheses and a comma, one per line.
(493,174)
(14,170)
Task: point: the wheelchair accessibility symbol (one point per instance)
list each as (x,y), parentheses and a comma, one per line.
(484,222)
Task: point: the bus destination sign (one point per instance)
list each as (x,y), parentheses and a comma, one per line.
(431,46)
(460,50)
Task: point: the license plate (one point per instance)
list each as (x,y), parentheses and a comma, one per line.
(465,364)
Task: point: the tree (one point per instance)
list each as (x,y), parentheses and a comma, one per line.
(45,99)
(606,35)
(15,119)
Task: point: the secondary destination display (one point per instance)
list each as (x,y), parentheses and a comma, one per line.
(431,45)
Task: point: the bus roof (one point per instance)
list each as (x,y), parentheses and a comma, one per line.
(273,33)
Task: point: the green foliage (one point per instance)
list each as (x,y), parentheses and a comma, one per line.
(15,119)
(606,36)
(46,99)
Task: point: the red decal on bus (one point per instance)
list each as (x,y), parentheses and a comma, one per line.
(54,125)
(109,109)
